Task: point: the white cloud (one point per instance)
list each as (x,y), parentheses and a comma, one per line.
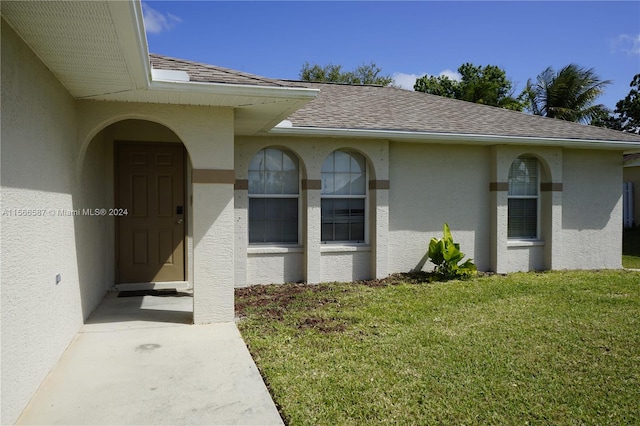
(453,75)
(626,43)
(155,22)
(406,81)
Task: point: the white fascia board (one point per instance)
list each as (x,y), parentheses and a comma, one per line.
(129,25)
(234,89)
(474,139)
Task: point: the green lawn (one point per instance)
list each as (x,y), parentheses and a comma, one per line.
(550,348)
(631,248)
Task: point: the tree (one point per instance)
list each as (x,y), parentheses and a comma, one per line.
(626,116)
(487,85)
(364,74)
(568,94)
(441,86)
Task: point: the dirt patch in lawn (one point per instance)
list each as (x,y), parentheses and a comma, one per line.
(273,300)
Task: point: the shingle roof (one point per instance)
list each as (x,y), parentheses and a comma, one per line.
(389,108)
(210,73)
(341,106)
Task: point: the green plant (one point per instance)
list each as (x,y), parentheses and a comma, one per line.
(446,255)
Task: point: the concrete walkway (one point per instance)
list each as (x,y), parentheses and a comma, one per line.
(138,361)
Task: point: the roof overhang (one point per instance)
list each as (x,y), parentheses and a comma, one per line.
(634,161)
(92,47)
(98,50)
(286,129)
(257,108)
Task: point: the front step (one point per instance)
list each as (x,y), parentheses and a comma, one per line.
(178,285)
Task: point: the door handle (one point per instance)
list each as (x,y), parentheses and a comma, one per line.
(179,221)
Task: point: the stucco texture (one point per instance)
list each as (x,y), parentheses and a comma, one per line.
(435,184)
(39,317)
(592,210)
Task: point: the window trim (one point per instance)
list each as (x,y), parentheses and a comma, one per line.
(513,241)
(276,244)
(348,243)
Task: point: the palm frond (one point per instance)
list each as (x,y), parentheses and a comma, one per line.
(568,94)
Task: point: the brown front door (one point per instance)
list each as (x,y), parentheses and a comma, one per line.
(150,236)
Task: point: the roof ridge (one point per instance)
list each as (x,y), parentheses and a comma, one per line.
(337,83)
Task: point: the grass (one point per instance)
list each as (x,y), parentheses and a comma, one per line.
(631,248)
(551,348)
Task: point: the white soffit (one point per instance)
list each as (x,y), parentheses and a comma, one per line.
(93,47)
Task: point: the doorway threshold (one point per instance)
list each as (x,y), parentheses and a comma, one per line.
(178,285)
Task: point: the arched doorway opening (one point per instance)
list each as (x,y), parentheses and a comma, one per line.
(136,170)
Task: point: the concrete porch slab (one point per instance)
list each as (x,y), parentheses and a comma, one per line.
(138,360)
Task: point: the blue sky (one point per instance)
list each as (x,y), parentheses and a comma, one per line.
(405,39)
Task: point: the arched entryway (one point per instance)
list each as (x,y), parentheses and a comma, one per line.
(207,135)
(136,173)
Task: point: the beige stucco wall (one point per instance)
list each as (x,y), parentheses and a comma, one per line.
(632,174)
(592,210)
(274,265)
(311,261)
(345,264)
(39,317)
(431,185)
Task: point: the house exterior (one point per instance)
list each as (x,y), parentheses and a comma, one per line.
(631,177)
(120,168)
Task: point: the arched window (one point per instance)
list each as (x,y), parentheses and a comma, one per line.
(273,197)
(523,198)
(344,193)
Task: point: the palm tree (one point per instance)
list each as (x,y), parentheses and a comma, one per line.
(569,94)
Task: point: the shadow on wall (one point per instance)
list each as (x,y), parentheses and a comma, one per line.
(420,265)
(479,252)
(94,234)
(270,268)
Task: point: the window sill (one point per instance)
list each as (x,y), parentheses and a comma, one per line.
(343,248)
(525,243)
(274,249)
